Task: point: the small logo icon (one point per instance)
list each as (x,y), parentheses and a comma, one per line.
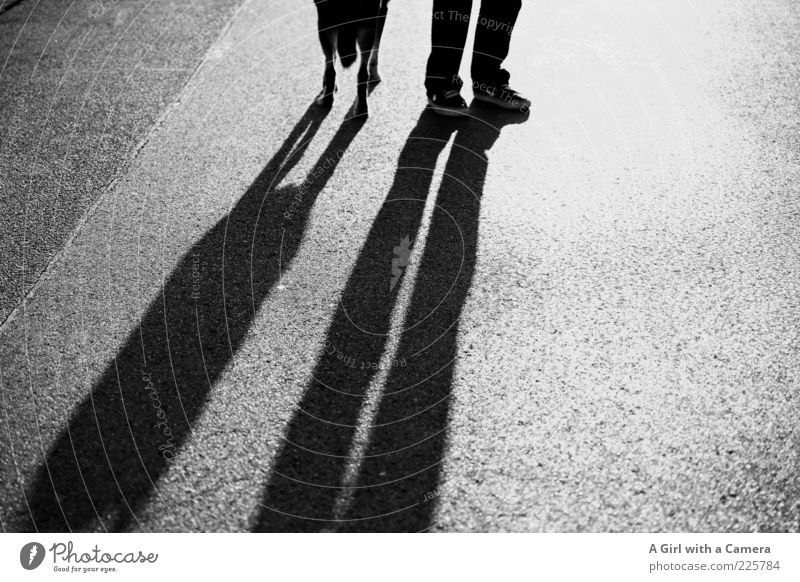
(97,9)
(402,255)
(31,555)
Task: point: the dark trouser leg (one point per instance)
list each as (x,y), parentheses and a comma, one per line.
(448,36)
(492,37)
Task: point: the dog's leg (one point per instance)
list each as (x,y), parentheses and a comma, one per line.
(374,75)
(366,39)
(327,39)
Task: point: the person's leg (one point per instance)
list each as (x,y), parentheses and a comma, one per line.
(448,35)
(490,81)
(492,38)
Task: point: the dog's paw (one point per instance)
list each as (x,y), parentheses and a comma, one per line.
(325,98)
(374,75)
(360,109)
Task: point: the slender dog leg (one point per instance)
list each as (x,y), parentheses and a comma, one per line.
(374,75)
(327,39)
(366,39)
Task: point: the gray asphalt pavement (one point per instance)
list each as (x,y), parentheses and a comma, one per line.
(81,83)
(279,319)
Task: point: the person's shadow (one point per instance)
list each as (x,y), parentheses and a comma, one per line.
(365,447)
(105,464)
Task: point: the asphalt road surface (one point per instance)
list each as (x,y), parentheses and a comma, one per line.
(269,317)
(81,83)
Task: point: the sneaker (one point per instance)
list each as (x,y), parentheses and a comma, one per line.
(449,103)
(503,96)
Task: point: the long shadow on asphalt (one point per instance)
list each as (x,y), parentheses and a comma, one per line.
(5,7)
(120,439)
(364,450)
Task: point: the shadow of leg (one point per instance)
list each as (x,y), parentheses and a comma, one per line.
(400,471)
(121,438)
(306,479)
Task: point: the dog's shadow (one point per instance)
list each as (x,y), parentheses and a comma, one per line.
(365,448)
(119,441)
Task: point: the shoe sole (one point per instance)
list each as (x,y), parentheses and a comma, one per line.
(504,104)
(448,112)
